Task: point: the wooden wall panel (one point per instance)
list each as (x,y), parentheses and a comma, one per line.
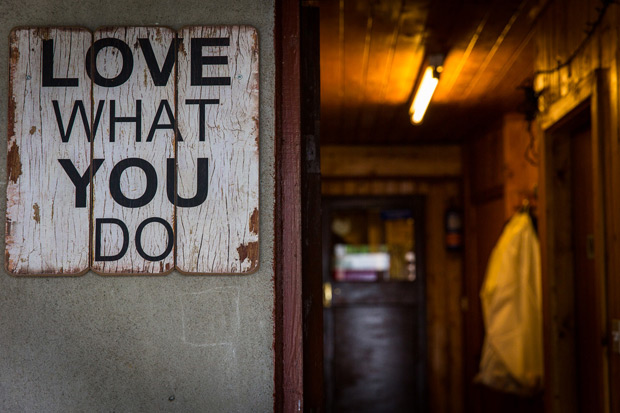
(520,174)
(391,161)
(560,31)
(486,168)
(560,34)
(612,215)
(443,292)
(497,179)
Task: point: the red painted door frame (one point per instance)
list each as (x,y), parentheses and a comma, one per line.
(288,344)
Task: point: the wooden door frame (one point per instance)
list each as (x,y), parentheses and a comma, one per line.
(558,297)
(288,347)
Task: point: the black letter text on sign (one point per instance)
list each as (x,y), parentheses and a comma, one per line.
(170,185)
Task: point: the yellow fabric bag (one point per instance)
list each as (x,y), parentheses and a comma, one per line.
(511,295)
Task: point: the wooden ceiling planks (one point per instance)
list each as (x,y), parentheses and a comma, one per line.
(358,32)
(379,52)
(406,55)
(483,58)
(388,24)
(332,75)
(394,78)
(372,52)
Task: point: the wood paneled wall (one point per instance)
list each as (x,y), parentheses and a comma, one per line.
(590,78)
(497,180)
(436,175)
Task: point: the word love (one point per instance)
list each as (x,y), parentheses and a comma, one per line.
(159,75)
(133,150)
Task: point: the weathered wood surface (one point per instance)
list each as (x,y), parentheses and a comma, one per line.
(130,141)
(289,395)
(45,232)
(115,96)
(221,234)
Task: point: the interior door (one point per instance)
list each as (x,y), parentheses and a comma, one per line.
(589,344)
(577,366)
(375,322)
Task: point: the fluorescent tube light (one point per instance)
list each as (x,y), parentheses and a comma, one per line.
(424,93)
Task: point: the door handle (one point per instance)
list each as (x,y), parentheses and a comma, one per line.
(327,295)
(615,336)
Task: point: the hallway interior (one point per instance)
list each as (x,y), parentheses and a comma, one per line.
(526,110)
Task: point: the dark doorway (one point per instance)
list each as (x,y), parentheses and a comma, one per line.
(588,340)
(578,346)
(374,316)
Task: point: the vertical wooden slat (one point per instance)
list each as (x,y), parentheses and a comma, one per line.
(219,235)
(47,228)
(312,280)
(558,277)
(546,245)
(289,357)
(130,204)
(601,122)
(612,198)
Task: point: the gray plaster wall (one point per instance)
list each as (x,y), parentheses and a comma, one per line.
(142,344)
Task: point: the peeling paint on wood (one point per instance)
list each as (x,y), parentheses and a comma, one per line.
(38,242)
(36,214)
(254,222)
(13,163)
(249,252)
(219,235)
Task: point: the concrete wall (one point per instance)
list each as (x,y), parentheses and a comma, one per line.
(173,343)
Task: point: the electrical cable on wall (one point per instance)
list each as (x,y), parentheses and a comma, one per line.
(531,152)
(529,106)
(590,30)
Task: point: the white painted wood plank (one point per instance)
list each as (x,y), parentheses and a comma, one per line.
(149,244)
(221,234)
(46,233)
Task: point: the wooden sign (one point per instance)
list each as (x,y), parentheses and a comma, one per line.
(171,121)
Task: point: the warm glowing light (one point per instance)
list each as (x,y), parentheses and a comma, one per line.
(424,94)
